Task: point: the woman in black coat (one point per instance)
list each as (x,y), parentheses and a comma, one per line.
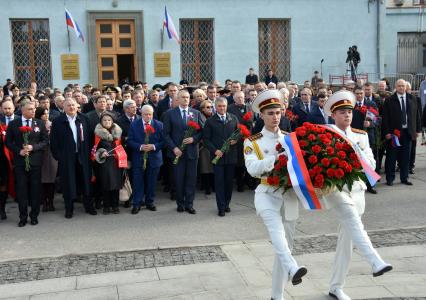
(106,168)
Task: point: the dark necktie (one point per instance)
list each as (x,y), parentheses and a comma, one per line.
(184,116)
(359,104)
(131,119)
(307,108)
(222,118)
(28,123)
(403,111)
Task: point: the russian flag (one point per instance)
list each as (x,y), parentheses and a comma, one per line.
(171,29)
(74,25)
(299,175)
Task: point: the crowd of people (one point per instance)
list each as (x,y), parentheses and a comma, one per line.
(86,142)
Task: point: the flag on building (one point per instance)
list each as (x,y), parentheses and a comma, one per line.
(73,24)
(171,29)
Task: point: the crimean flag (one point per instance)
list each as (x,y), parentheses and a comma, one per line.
(73,24)
(171,29)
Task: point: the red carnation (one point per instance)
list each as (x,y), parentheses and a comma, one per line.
(343,164)
(341,154)
(244,130)
(330,173)
(353,156)
(313,159)
(312,137)
(25,129)
(356,165)
(329,135)
(339,146)
(278,147)
(248,116)
(194,125)
(348,169)
(300,131)
(339,173)
(303,144)
(316,149)
(363,109)
(325,162)
(303,152)
(311,173)
(334,160)
(330,150)
(283,159)
(149,129)
(397,133)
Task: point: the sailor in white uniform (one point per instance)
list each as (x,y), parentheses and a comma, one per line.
(349,205)
(260,155)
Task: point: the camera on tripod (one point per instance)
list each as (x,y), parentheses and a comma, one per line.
(353,56)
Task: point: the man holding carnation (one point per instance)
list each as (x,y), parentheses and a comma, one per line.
(261,153)
(349,204)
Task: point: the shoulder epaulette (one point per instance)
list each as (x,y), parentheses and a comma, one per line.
(255,136)
(359,131)
(285,132)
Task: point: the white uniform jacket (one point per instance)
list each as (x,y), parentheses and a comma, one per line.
(260,154)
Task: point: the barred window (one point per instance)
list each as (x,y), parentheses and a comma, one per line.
(197,50)
(274,48)
(31,52)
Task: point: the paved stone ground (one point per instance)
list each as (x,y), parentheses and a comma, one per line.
(74,265)
(71,265)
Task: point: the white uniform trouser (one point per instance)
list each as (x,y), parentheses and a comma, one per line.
(351,231)
(284,262)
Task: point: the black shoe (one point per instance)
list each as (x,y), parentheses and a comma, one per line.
(166,189)
(151,207)
(34,221)
(191,211)
(371,191)
(228,209)
(406,182)
(135,210)
(297,277)
(91,211)
(385,269)
(3,215)
(142,204)
(389,183)
(98,205)
(126,204)
(221,213)
(106,211)
(68,214)
(180,209)
(115,210)
(22,223)
(240,189)
(208,192)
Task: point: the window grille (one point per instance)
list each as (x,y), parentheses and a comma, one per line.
(274,48)
(31,52)
(197,50)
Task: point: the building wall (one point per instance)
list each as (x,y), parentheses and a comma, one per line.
(317,31)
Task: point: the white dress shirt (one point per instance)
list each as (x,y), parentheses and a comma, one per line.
(400,103)
(73,126)
(24,122)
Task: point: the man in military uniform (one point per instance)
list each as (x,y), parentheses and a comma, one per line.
(260,155)
(349,205)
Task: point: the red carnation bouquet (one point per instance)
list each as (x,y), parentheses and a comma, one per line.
(248,116)
(149,130)
(26,130)
(330,160)
(193,127)
(291,116)
(241,131)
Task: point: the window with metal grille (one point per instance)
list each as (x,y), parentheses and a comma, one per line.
(274,48)
(197,50)
(31,52)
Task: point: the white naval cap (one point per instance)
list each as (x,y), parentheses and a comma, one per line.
(267,98)
(340,99)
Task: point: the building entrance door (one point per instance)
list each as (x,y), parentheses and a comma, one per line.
(116,51)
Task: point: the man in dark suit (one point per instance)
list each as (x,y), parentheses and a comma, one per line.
(303,108)
(7,112)
(165,104)
(399,113)
(124,121)
(362,121)
(71,141)
(100,103)
(317,114)
(251,78)
(414,142)
(239,108)
(185,171)
(270,77)
(218,129)
(44,102)
(144,181)
(235,87)
(28,187)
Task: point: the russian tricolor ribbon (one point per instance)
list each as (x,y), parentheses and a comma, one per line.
(395,141)
(298,172)
(371,174)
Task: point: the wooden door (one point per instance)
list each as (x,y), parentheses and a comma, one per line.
(113,37)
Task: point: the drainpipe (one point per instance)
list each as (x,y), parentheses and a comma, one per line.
(380,13)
